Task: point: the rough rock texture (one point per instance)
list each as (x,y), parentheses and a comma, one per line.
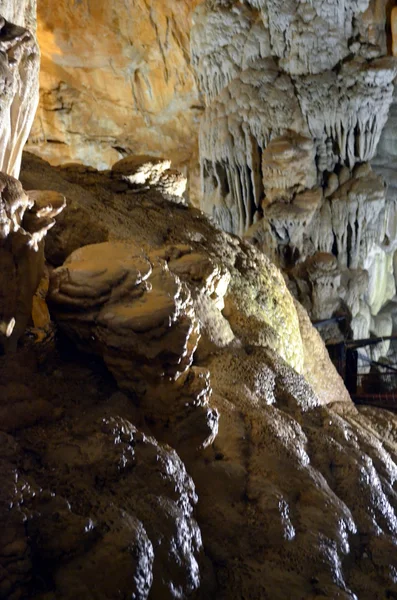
(140,318)
(246,65)
(90,507)
(143,172)
(25,219)
(385,259)
(297,95)
(115,80)
(20,12)
(19,68)
(296,492)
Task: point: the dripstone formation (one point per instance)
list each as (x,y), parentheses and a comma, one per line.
(297,95)
(175,427)
(294,484)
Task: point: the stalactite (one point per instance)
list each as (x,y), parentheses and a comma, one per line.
(305,88)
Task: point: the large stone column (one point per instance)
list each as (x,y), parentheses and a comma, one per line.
(297,95)
(19,70)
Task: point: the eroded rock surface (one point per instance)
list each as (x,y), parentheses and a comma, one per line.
(296,491)
(135,94)
(109,511)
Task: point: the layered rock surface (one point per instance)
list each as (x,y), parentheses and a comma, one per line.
(115,80)
(296,495)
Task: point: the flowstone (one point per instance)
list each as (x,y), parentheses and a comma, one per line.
(295,491)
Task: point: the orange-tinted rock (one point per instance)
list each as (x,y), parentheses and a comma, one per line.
(394,30)
(115,75)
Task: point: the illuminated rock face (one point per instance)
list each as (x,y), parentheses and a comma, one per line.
(268,70)
(115,80)
(20,12)
(295,474)
(297,95)
(19,67)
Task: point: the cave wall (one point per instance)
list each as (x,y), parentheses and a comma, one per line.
(115,79)
(19,94)
(291,490)
(289,124)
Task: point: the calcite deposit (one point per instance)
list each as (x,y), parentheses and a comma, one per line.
(24,222)
(19,94)
(297,97)
(172,426)
(24,219)
(295,487)
(292,97)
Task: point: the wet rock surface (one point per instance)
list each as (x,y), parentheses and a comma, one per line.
(296,490)
(91,507)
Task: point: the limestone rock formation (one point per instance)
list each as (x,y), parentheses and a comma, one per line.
(296,100)
(343,111)
(24,222)
(19,95)
(291,489)
(108,514)
(384,259)
(140,318)
(296,494)
(144,172)
(20,12)
(116,80)
(288,115)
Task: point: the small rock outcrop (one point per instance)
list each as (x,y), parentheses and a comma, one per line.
(145,172)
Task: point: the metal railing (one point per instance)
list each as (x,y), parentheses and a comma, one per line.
(368,381)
